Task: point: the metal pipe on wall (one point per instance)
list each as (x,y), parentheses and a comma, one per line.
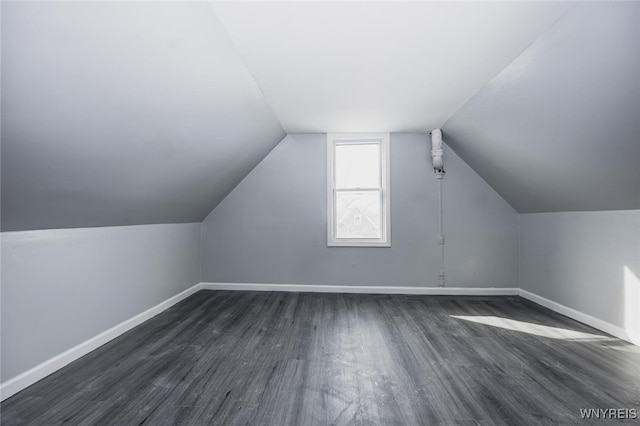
(438,168)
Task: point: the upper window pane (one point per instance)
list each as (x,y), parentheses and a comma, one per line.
(357,165)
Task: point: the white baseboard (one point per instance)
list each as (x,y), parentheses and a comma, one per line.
(435,291)
(40,371)
(629,336)
(29,377)
(607,327)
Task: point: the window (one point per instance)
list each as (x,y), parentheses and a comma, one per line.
(358,190)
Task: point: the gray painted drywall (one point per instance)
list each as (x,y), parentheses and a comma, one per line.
(272,227)
(61,287)
(578,259)
(123,113)
(557,130)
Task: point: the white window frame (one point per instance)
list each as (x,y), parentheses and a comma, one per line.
(382,139)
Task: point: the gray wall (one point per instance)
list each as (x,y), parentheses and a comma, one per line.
(272,227)
(62,287)
(578,259)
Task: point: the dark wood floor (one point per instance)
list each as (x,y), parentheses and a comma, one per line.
(234,358)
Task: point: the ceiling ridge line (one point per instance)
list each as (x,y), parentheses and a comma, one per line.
(244,63)
(540,35)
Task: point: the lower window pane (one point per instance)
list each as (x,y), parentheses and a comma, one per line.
(358,214)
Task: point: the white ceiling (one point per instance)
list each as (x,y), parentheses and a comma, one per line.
(373,66)
(121,113)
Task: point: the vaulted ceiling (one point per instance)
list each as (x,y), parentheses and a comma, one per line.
(559,128)
(378,66)
(120,113)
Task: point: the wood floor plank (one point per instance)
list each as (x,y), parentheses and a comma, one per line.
(268,358)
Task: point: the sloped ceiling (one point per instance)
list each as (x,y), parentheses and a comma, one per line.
(378,66)
(559,128)
(541,98)
(120,113)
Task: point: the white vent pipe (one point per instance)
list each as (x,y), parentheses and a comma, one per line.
(436,152)
(438,168)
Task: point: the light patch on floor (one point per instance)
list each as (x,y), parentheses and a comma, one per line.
(534,329)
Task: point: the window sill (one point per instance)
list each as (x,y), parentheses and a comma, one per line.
(359,244)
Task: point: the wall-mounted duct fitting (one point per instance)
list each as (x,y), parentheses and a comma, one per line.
(437,153)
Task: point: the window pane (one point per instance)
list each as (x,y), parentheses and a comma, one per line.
(357,165)
(358,214)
